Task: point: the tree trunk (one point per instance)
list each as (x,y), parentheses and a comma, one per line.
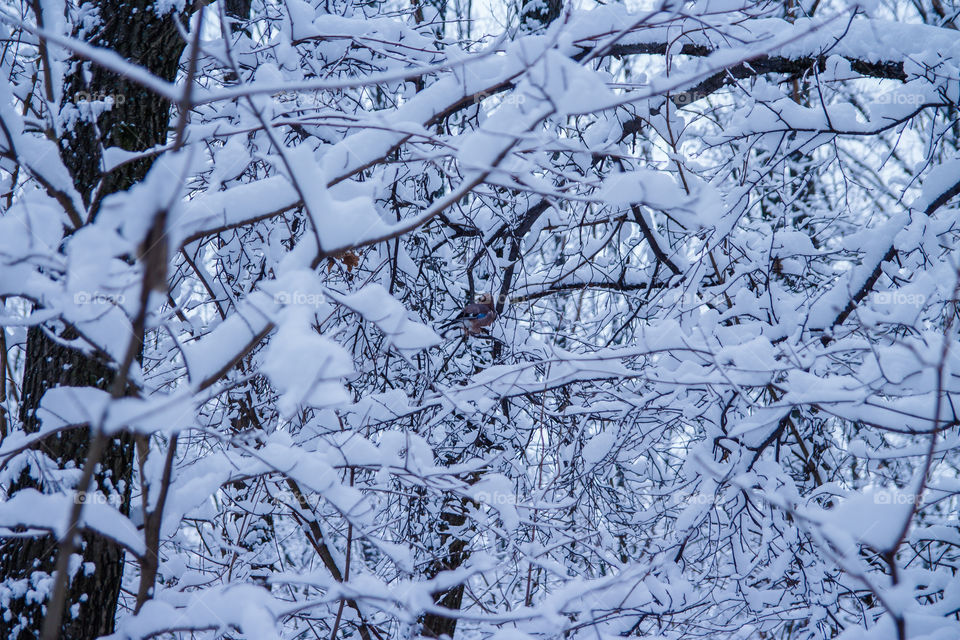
(537,15)
(454,554)
(453,550)
(137,121)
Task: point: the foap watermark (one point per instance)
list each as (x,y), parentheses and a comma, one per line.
(495,499)
(113,500)
(298,298)
(98,297)
(898,298)
(87,96)
(896,97)
(895,497)
(700,498)
(510,98)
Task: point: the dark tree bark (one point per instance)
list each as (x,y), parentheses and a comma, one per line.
(50,364)
(453,550)
(453,554)
(537,15)
(239,10)
(137,121)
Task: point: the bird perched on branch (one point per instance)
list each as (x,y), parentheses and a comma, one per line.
(476,316)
